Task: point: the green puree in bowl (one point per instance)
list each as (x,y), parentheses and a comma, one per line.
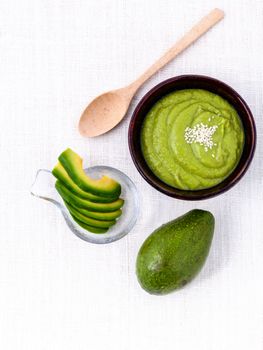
(192,139)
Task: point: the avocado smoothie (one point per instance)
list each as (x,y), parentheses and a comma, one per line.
(192,139)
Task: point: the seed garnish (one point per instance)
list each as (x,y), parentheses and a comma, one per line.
(202,134)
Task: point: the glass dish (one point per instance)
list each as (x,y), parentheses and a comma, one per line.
(44,188)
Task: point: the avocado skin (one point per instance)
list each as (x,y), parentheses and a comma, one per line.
(175,252)
(60,173)
(112,215)
(69,197)
(91,228)
(89,221)
(72,163)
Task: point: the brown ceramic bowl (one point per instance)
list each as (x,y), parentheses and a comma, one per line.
(192,82)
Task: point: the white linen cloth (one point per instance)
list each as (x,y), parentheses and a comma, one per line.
(58,292)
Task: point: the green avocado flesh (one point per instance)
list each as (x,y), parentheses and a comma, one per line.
(60,173)
(89,221)
(70,197)
(105,186)
(100,216)
(93,204)
(175,253)
(90,228)
(192,139)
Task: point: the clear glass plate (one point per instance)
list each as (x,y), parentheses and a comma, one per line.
(44,188)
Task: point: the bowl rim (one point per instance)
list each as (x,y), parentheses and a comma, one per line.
(227,183)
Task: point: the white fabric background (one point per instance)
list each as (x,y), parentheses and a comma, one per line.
(58,292)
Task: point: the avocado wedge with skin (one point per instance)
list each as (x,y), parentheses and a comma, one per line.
(71,198)
(89,221)
(90,228)
(60,173)
(175,253)
(105,186)
(96,215)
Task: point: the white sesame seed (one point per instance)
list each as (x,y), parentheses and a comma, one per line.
(201,134)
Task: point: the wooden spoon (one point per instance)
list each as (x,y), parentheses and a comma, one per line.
(107,110)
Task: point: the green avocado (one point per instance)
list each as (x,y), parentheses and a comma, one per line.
(105,186)
(71,198)
(89,221)
(100,216)
(60,173)
(174,253)
(90,228)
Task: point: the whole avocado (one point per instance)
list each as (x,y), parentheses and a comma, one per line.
(175,252)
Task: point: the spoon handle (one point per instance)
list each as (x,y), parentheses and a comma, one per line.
(195,33)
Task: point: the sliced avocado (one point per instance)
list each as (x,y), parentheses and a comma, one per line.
(89,221)
(105,186)
(91,228)
(100,216)
(60,173)
(71,198)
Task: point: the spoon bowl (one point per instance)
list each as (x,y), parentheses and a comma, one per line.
(104,113)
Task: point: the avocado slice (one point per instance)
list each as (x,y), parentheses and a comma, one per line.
(105,186)
(70,197)
(89,221)
(60,173)
(100,216)
(91,228)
